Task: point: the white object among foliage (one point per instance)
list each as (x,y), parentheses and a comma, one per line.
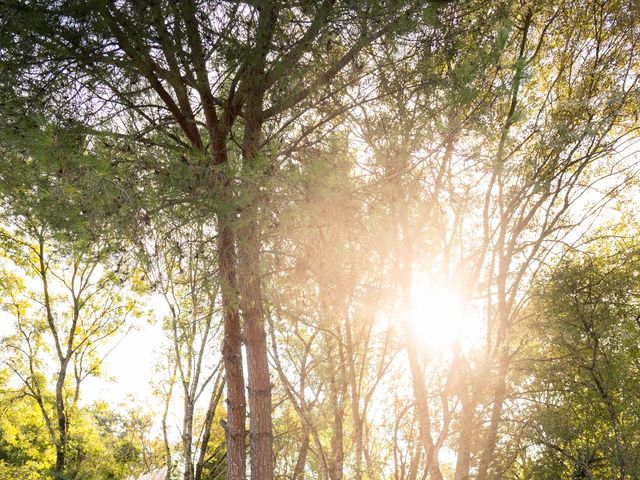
(159,474)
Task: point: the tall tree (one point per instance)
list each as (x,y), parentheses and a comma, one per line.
(214,70)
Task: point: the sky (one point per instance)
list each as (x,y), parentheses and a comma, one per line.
(130,364)
(129,367)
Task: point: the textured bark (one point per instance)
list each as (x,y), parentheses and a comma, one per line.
(232,359)
(260,423)
(259,384)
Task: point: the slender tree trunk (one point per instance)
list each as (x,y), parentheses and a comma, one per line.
(615,422)
(216,393)
(412,473)
(503,311)
(61,444)
(491,436)
(187,438)
(298,471)
(502,349)
(358,430)
(165,433)
(61,416)
(463,453)
(358,441)
(422,411)
(337,444)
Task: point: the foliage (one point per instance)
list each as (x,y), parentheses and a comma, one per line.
(281,188)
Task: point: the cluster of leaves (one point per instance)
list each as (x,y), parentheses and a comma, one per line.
(581,417)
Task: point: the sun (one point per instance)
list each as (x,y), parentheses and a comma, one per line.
(439,319)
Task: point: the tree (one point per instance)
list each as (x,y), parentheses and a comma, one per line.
(239,62)
(179,268)
(300,180)
(586,313)
(73,308)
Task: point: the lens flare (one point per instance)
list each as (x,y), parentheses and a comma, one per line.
(439,318)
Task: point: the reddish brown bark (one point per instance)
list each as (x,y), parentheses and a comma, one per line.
(232,359)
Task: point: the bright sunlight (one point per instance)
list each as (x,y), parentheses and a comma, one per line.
(439,318)
(338,239)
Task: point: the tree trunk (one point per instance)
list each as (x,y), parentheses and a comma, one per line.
(165,433)
(260,423)
(187,438)
(405,254)
(337,443)
(615,422)
(358,430)
(232,357)
(502,349)
(298,471)
(463,454)
(259,385)
(491,436)
(61,444)
(216,393)
(422,411)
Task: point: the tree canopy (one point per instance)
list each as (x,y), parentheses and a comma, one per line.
(374,239)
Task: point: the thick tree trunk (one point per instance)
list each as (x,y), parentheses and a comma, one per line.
(260,423)
(232,357)
(234,428)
